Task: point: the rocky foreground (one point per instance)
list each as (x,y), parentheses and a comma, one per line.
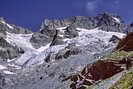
(75,53)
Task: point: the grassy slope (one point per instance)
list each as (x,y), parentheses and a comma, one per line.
(119,55)
(126,82)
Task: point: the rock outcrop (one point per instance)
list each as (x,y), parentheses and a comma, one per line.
(5,27)
(94,73)
(126,43)
(8,51)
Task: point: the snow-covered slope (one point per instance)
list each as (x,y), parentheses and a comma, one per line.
(21,40)
(36,56)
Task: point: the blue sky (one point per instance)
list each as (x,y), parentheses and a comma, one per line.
(30,13)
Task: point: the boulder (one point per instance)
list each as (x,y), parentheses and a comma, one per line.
(114,39)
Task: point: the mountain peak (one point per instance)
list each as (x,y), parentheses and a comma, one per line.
(2,20)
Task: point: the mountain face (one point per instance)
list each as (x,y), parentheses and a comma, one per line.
(105,22)
(59,55)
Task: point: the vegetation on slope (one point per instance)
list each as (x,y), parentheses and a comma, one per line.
(119,55)
(126,82)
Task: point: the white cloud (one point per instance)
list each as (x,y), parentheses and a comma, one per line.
(91,5)
(116,2)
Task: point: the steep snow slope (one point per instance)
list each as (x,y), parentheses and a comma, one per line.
(21,40)
(87,36)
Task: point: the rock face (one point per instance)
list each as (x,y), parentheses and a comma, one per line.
(126,43)
(92,74)
(39,40)
(2,81)
(105,20)
(114,39)
(7,51)
(20,30)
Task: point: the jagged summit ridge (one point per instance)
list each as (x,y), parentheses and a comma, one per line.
(82,21)
(67,28)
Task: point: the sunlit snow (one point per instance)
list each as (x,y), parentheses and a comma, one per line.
(2,67)
(21,40)
(11,27)
(8,72)
(61,28)
(116,19)
(87,36)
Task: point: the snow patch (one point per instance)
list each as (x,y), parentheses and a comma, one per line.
(8,72)
(11,27)
(15,66)
(116,19)
(43,48)
(61,31)
(20,40)
(2,67)
(61,28)
(99,33)
(9,60)
(66,39)
(3,22)
(61,35)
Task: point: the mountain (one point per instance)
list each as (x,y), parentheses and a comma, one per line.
(63,53)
